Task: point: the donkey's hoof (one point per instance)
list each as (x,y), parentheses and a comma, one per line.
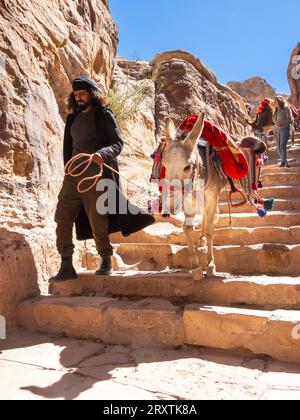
(211,270)
(197,274)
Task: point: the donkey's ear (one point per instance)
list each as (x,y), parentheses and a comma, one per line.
(170,130)
(196,132)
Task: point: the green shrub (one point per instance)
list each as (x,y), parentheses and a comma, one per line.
(128,101)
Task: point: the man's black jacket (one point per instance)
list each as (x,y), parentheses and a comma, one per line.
(110,146)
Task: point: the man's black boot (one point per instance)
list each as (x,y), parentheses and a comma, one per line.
(66,272)
(105,268)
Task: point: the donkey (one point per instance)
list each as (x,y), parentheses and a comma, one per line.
(184,162)
(181,160)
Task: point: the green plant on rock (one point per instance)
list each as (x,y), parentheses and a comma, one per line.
(130,100)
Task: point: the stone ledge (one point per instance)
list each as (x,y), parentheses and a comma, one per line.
(147,322)
(261,332)
(158,323)
(238,260)
(261,291)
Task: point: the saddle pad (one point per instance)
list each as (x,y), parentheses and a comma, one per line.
(234,162)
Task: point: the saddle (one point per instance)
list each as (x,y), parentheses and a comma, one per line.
(237,163)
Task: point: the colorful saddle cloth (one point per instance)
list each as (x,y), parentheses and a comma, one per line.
(234,162)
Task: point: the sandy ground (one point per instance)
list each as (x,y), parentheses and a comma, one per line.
(35,366)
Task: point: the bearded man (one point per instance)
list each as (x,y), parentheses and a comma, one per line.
(91,128)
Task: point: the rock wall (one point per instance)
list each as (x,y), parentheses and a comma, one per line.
(135,88)
(294,75)
(254,90)
(43,46)
(185,86)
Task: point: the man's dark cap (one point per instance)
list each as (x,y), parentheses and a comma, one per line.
(85,83)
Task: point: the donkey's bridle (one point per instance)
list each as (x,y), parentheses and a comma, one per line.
(195,163)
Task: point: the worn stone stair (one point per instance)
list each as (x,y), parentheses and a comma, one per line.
(281,205)
(223,236)
(177,287)
(271,259)
(259,331)
(117,311)
(151,300)
(285,192)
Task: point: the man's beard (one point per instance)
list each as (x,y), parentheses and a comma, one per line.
(83,106)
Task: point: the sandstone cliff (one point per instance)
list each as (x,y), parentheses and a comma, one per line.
(43,46)
(254,90)
(185,86)
(135,110)
(294,75)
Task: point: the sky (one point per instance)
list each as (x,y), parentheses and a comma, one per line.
(236,39)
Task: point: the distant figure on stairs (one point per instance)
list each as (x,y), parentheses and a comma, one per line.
(283,119)
(263,122)
(295,125)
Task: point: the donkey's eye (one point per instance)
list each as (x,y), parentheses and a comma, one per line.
(187,168)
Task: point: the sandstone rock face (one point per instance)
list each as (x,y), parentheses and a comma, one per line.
(254,90)
(133,81)
(294,75)
(134,107)
(43,47)
(185,86)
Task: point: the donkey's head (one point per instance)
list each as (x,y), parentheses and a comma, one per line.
(180,160)
(180,155)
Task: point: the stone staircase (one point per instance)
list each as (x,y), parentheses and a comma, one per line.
(255,309)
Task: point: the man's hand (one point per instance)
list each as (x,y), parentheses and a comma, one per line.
(97,159)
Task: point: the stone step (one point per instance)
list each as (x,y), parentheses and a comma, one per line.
(272,147)
(276,169)
(265,259)
(277,192)
(159,323)
(280,205)
(252,220)
(293,152)
(282,192)
(271,292)
(276,179)
(271,140)
(259,235)
(146,323)
(166,233)
(293,162)
(272,333)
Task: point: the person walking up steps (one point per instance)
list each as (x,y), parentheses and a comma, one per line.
(283,119)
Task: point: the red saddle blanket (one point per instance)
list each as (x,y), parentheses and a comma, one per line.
(234,162)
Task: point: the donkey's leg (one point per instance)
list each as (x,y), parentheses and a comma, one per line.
(202,241)
(211,205)
(203,237)
(197,271)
